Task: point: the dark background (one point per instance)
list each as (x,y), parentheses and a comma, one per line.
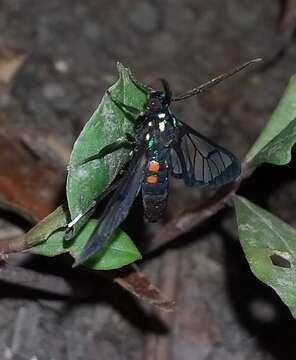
(71,48)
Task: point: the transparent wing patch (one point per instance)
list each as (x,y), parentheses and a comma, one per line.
(200,162)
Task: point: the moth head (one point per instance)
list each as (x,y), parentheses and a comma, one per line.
(156,101)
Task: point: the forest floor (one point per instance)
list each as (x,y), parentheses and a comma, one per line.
(62,57)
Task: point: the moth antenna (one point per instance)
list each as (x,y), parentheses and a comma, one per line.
(214,81)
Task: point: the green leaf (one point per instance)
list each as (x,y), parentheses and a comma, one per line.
(85,182)
(277,151)
(270,248)
(279,135)
(107,124)
(52,246)
(120,252)
(42,231)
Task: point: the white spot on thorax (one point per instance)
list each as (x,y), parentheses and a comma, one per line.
(161,115)
(150,123)
(162,126)
(147,136)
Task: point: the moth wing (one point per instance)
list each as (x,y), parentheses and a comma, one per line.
(200,162)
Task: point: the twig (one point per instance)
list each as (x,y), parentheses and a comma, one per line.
(81,288)
(43,282)
(190,220)
(134,282)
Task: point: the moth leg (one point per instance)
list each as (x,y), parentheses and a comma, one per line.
(130,139)
(124,141)
(121,105)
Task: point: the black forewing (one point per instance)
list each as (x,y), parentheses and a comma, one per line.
(82,218)
(200,162)
(117,208)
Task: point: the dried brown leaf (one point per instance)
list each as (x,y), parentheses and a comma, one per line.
(27,186)
(140,286)
(9,66)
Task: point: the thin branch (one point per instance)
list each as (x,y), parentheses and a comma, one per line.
(134,282)
(20,276)
(130,279)
(190,220)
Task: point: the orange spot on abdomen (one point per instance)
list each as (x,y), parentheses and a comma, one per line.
(153,166)
(152,179)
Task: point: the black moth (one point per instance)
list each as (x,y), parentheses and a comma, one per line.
(163,146)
